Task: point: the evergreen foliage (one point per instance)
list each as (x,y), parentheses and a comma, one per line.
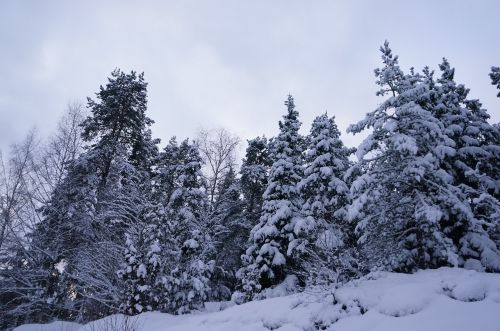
(279,235)
(189,266)
(325,195)
(410,211)
(254,176)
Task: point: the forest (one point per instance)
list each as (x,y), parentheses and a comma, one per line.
(101,217)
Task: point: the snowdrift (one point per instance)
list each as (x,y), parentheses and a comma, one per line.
(440,300)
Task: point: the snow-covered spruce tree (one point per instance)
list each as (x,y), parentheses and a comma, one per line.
(278,237)
(253,182)
(474,167)
(188,268)
(402,201)
(165,172)
(153,240)
(466,122)
(254,176)
(145,241)
(325,195)
(141,269)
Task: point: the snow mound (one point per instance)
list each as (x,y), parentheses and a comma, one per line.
(431,300)
(404,300)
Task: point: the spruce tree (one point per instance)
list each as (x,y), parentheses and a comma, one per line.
(254,176)
(166,172)
(188,268)
(326,195)
(278,236)
(466,123)
(474,165)
(141,268)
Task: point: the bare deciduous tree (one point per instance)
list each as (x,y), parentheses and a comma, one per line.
(13,186)
(61,148)
(218,148)
(32,171)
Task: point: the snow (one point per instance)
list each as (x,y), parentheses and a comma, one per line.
(432,300)
(61,265)
(142,271)
(55,326)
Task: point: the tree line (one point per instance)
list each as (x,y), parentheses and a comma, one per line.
(99,219)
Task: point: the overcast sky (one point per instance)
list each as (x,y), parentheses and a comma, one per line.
(232,63)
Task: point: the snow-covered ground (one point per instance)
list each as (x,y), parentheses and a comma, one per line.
(443,299)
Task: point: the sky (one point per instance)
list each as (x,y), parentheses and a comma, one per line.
(231,63)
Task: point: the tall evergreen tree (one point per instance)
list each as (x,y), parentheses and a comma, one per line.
(102,195)
(326,196)
(466,122)
(407,201)
(119,118)
(229,231)
(165,259)
(166,171)
(278,236)
(189,268)
(254,176)
(141,268)
(474,166)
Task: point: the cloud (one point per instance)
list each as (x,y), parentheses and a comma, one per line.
(231,63)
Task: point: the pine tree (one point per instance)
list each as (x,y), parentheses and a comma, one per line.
(326,196)
(278,236)
(119,119)
(403,199)
(104,192)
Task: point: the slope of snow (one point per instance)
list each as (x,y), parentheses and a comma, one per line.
(440,300)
